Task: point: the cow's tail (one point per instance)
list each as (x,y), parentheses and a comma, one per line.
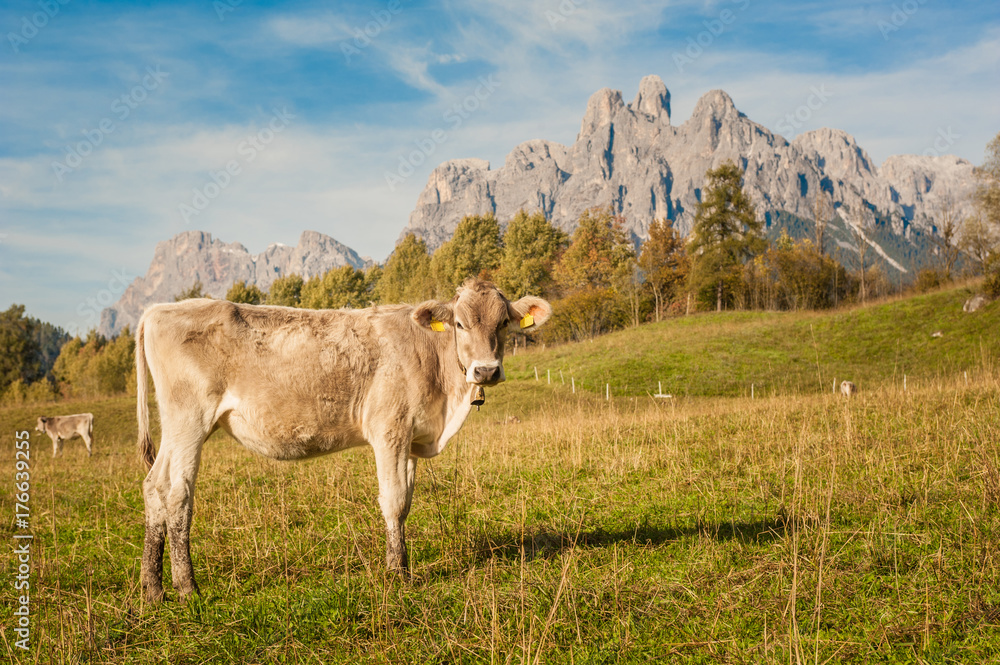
(146,451)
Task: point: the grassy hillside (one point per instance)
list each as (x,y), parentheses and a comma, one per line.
(798,528)
(781,352)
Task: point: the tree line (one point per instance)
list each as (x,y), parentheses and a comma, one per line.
(597,278)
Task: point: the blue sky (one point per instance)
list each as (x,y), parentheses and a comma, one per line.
(116,116)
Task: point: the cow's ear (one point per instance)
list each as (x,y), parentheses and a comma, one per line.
(528,313)
(432,314)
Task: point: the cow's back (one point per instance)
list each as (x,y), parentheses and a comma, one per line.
(286,382)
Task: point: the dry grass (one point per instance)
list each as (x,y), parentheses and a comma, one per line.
(787,530)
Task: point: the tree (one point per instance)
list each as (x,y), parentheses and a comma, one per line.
(473,251)
(245,293)
(664,263)
(822,210)
(862,242)
(285,291)
(407,274)
(987,194)
(946,242)
(338,287)
(195,291)
(726,233)
(531,246)
(20,352)
(598,251)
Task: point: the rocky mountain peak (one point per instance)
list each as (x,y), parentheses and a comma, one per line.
(602,108)
(652,99)
(714,104)
(196,256)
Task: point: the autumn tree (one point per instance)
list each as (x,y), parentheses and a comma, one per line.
(664,263)
(531,246)
(473,251)
(598,251)
(595,275)
(286,291)
(726,234)
(338,287)
(987,196)
(946,241)
(407,274)
(242,292)
(822,212)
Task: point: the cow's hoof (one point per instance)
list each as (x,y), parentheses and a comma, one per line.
(155,595)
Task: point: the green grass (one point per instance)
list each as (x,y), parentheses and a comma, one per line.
(790,528)
(779,352)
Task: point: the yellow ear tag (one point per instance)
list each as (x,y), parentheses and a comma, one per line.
(527,321)
(437,326)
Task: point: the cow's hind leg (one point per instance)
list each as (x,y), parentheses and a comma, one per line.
(89,440)
(169,505)
(396,474)
(156,533)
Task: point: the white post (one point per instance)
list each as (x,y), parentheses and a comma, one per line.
(548,376)
(561,379)
(573,382)
(536,374)
(834,385)
(659,386)
(607,391)
(904,383)
(967,378)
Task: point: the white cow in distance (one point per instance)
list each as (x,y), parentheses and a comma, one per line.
(60,428)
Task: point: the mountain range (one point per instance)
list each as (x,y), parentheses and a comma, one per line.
(631,157)
(194,256)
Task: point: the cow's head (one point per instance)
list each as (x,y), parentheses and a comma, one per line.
(480,317)
(40,426)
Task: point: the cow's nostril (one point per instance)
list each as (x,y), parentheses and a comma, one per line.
(486,374)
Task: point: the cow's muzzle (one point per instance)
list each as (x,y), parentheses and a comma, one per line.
(485,375)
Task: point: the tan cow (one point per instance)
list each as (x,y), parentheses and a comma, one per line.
(848,388)
(292,384)
(60,428)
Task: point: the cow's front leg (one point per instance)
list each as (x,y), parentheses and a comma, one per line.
(55,445)
(397,471)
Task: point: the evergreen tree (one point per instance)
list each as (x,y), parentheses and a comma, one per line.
(20,352)
(531,246)
(726,234)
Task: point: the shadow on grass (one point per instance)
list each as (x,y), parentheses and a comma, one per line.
(542,543)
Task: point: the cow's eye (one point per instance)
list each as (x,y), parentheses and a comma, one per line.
(459,325)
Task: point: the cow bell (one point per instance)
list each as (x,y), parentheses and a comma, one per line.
(478,397)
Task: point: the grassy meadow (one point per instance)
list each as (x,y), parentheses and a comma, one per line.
(796,527)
